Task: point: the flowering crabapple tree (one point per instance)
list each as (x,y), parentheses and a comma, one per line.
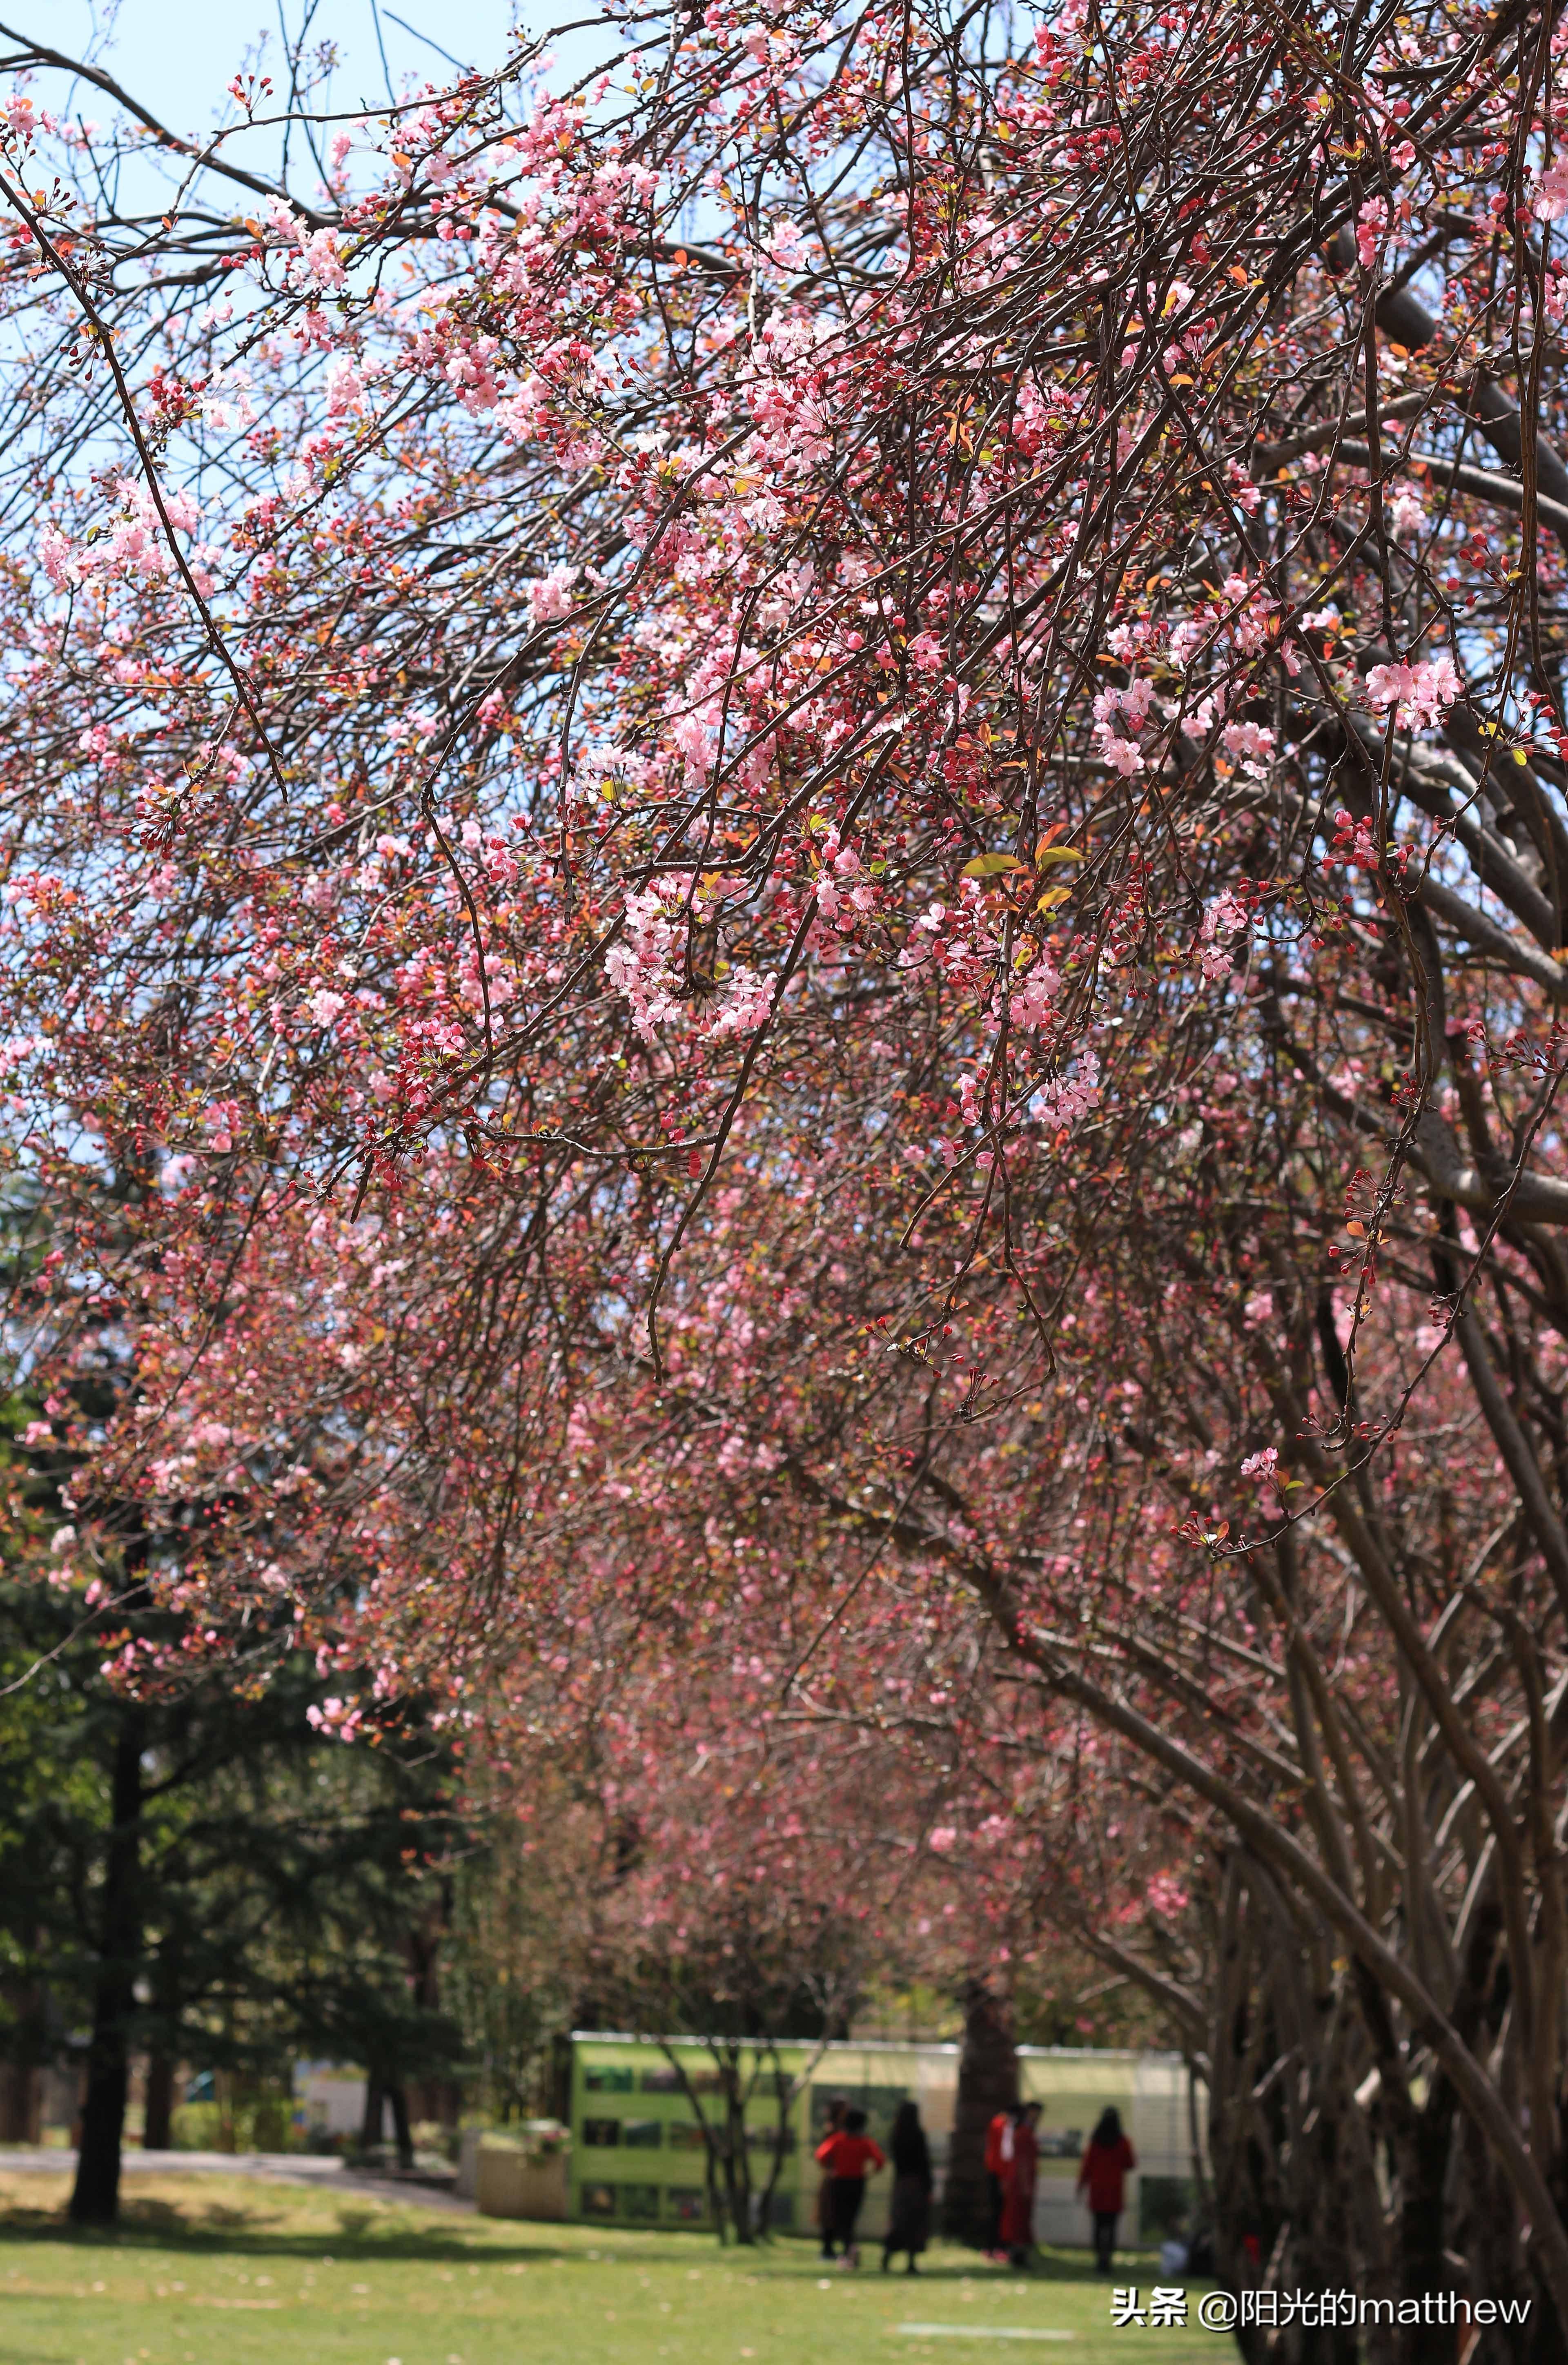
(813,802)
(770,1857)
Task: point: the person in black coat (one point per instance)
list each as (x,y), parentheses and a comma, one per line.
(909,2227)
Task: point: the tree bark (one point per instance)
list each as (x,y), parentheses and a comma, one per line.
(21,2102)
(399,2096)
(988,2082)
(375,2113)
(94,2201)
(163,2061)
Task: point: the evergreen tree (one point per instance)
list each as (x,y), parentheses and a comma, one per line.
(202,1875)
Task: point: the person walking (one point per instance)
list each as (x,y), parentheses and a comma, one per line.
(836,2108)
(849,2156)
(909,2226)
(998,2152)
(1018,2207)
(1101,2177)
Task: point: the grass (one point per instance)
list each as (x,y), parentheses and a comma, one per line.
(219,2270)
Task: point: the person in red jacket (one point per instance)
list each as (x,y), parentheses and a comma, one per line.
(1101,2177)
(1020,2156)
(998,2152)
(835,2110)
(849,2156)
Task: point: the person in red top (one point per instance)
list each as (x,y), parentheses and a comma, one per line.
(1022,2153)
(1101,2177)
(998,2151)
(849,2156)
(836,2111)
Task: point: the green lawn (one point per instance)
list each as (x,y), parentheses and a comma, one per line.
(211,2270)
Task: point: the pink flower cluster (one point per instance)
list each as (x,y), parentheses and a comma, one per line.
(1419,694)
(1129,708)
(638,966)
(1224,917)
(1371,224)
(1550,202)
(1065,1099)
(134,546)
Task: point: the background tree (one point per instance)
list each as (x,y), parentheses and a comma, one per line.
(200,1876)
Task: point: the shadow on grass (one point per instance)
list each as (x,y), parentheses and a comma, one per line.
(348,2232)
(199,2228)
(954,2266)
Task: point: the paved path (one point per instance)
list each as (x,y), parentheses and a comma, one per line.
(323,2171)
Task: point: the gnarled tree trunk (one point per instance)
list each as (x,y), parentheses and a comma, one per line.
(988,2082)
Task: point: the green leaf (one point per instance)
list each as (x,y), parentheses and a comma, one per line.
(989,866)
(1051,854)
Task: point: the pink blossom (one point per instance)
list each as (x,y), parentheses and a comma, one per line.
(639,965)
(942,1840)
(1067,1098)
(1261,1464)
(551,596)
(1420,694)
(1253,742)
(1243,491)
(747,1000)
(319,264)
(1224,917)
(345,387)
(1371,224)
(1122,755)
(56,557)
(1407,512)
(695,741)
(1032,1003)
(1550,202)
(324,1005)
(1353,842)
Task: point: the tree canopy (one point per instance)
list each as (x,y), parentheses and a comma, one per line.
(785,848)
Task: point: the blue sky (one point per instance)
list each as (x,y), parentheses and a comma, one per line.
(178,55)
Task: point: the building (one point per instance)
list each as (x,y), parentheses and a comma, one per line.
(638,2155)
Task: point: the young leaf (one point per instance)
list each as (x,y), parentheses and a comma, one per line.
(989,866)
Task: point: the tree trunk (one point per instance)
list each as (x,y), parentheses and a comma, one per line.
(95,2198)
(374,2110)
(21,2102)
(157,2127)
(739,2159)
(163,2058)
(988,2082)
(22,2081)
(399,2097)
